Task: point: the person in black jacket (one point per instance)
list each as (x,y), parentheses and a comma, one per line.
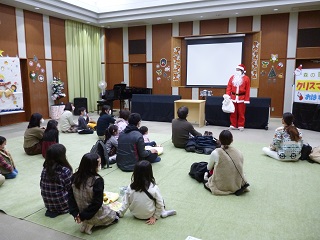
(131,146)
(104,121)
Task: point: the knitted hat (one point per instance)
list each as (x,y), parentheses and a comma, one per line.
(242,67)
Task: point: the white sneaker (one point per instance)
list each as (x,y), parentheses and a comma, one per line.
(232,127)
(241,129)
(83,227)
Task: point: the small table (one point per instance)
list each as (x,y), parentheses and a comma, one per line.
(196,110)
(56,111)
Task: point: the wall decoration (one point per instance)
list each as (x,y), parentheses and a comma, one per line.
(265,64)
(280,75)
(1,51)
(274,57)
(33,76)
(158,79)
(163,62)
(254,60)
(158,66)
(35,59)
(167,69)
(31,63)
(280,65)
(298,70)
(263,73)
(159,72)
(11,96)
(42,70)
(176,64)
(41,78)
(272,73)
(165,74)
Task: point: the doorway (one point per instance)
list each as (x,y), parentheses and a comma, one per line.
(138,75)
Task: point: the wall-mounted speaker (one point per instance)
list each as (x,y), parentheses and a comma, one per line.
(79,103)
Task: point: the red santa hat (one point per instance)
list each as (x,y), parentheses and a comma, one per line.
(242,67)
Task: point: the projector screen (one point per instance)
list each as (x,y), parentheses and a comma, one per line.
(211,62)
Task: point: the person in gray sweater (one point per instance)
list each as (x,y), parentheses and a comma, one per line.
(182,130)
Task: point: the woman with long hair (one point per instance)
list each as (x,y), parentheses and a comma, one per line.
(86,196)
(287,141)
(33,135)
(56,181)
(50,136)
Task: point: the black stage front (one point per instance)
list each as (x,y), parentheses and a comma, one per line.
(307,116)
(257,112)
(158,108)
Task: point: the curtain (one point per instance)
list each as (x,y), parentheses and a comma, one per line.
(83,62)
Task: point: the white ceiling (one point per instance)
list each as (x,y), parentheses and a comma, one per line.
(124,13)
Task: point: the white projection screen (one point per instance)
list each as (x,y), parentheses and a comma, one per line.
(211,62)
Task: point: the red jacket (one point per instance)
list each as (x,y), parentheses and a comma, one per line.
(241,93)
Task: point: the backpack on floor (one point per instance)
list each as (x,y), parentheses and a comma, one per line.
(305,152)
(197,170)
(100,148)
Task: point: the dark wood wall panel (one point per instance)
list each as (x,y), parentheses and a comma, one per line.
(38,93)
(114,45)
(8,29)
(309,19)
(215,26)
(185,28)
(58,39)
(115,74)
(274,35)
(185,93)
(244,24)
(34,34)
(161,48)
(137,33)
(59,69)
(308,53)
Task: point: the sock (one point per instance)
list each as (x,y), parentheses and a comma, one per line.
(83,227)
(167,213)
(88,229)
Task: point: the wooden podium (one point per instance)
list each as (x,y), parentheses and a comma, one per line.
(196,110)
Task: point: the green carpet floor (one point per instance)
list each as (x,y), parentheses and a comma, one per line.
(283,202)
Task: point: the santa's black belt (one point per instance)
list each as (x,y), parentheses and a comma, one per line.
(238,94)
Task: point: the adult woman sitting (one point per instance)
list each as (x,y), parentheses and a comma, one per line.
(66,123)
(287,141)
(56,181)
(33,135)
(227,165)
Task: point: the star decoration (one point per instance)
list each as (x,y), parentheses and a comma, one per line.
(1,51)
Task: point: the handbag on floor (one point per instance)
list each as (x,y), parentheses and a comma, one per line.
(315,154)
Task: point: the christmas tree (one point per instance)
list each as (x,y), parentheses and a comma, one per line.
(57,89)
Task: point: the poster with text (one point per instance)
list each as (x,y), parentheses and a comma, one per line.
(11,97)
(307,86)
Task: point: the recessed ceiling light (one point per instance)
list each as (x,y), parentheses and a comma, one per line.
(276,9)
(201,16)
(36,8)
(88,22)
(102,26)
(236,13)
(108,26)
(170,19)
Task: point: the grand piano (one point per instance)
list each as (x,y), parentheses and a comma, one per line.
(121,92)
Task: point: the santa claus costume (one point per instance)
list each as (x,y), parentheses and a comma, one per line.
(239,91)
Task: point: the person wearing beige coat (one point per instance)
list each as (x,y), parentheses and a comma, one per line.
(227,165)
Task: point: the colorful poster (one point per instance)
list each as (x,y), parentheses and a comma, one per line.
(307,86)
(11,97)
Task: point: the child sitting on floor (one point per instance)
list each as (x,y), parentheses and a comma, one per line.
(83,121)
(143,196)
(144,131)
(7,166)
(112,142)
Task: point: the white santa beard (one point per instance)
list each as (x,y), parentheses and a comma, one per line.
(237,80)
